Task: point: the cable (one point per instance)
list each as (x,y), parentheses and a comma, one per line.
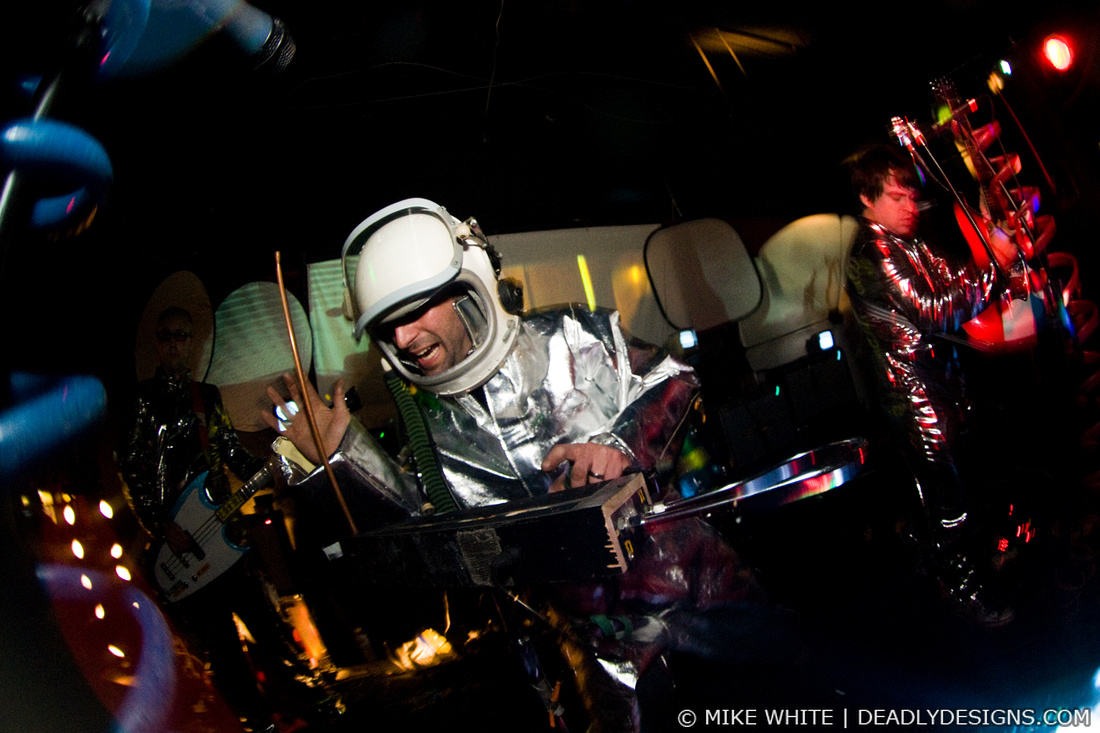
(420,440)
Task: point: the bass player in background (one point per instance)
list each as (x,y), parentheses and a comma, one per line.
(179,431)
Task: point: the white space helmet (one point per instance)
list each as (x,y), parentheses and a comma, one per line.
(411,251)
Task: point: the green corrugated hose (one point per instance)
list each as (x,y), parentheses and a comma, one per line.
(420,440)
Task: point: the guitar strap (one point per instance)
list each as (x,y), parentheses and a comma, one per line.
(200,414)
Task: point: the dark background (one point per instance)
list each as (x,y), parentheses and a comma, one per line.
(528,115)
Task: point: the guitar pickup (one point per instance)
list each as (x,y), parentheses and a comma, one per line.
(169,573)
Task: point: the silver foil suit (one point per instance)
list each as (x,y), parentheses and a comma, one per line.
(165,447)
(573,377)
(906,298)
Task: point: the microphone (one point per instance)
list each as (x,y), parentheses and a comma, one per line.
(261,37)
(907,133)
(970,105)
(144,36)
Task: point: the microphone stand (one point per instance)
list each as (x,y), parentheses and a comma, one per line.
(14,198)
(910,136)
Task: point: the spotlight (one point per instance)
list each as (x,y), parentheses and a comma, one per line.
(1058,52)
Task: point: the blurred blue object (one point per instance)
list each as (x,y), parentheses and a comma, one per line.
(143,37)
(121,28)
(148,699)
(46,413)
(60,154)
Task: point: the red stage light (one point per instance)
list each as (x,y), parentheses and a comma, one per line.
(1058,52)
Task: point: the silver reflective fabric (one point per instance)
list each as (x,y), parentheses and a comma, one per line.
(905,296)
(572,378)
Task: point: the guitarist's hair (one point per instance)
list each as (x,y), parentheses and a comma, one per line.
(869,168)
(173,311)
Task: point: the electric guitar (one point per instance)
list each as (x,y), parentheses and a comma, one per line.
(209,551)
(1007,324)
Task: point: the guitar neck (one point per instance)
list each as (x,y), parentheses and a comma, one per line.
(243,494)
(994,196)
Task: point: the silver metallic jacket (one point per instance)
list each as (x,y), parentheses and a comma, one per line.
(571,378)
(905,297)
(165,449)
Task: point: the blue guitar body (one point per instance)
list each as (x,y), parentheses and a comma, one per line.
(209,551)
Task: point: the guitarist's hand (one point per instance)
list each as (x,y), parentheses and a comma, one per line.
(1012,265)
(178,540)
(1004,248)
(332,422)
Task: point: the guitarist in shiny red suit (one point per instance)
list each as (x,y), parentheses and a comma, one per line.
(906,297)
(180,431)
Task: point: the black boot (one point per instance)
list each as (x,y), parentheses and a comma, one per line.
(968,596)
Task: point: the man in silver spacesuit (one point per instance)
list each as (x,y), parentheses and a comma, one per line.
(509,400)
(519,407)
(906,296)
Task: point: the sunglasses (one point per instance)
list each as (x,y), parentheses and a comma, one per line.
(178,336)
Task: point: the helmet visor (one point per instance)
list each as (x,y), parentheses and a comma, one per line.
(453,320)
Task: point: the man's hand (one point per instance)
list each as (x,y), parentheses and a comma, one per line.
(1007,253)
(1004,248)
(178,540)
(592,463)
(332,422)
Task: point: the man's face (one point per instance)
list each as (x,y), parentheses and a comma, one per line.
(895,208)
(174,345)
(433,337)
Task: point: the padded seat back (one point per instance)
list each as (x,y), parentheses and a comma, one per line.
(701,273)
(802,267)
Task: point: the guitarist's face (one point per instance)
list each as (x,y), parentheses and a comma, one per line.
(895,208)
(174,345)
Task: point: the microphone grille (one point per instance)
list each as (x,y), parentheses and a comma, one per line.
(277,51)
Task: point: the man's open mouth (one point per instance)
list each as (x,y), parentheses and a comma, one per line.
(426,357)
